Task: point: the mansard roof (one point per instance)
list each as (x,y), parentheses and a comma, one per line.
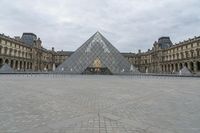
(28,38)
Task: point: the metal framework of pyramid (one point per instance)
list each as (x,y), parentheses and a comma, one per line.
(96,49)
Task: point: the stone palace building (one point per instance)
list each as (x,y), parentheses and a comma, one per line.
(26,53)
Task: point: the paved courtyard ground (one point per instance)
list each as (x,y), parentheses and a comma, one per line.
(99,104)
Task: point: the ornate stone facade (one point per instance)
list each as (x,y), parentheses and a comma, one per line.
(27,54)
(23,56)
(165,57)
(15,53)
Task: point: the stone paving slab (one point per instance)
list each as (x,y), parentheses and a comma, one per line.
(99,104)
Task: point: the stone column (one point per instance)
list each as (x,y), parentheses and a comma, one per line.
(18,67)
(54,66)
(22,65)
(170,68)
(13,64)
(167,69)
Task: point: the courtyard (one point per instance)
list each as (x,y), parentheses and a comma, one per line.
(99,104)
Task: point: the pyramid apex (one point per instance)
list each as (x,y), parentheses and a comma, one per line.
(97,32)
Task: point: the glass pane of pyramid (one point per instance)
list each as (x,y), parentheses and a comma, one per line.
(97,54)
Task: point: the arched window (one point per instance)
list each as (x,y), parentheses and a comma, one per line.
(12,64)
(198,65)
(5,50)
(6,61)
(180,65)
(1,62)
(176,67)
(16,65)
(192,66)
(185,64)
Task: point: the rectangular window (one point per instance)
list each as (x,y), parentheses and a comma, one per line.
(3,42)
(8,43)
(192,54)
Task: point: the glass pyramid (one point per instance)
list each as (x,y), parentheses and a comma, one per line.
(97,53)
(6,69)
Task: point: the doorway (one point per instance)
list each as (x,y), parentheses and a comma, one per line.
(97,71)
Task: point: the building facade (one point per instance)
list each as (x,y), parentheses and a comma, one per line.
(165,57)
(26,53)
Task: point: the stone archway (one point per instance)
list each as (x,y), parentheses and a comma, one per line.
(1,62)
(185,64)
(181,66)
(12,64)
(24,65)
(31,67)
(168,70)
(20,65)
(28,65)
(198,65)
(16,64)
(192,66)
(176,67)
(172,67)
(7,61)
(162,68)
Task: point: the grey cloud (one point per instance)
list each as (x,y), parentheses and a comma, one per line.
(129,24)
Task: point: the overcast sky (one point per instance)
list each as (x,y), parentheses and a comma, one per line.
(128,24)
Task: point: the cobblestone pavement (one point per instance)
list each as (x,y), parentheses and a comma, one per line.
(99,104)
